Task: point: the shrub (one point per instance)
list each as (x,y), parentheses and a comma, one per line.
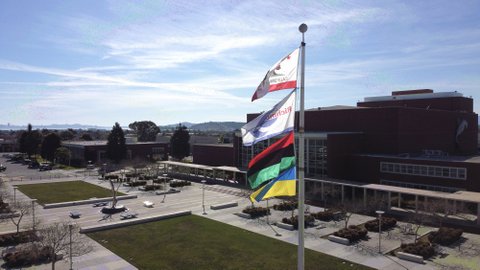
(175,184)
(28,256)
(111,176)
(17,238)
(445,236)
(137,183)
(324,216)
(147,177)
(309,220)
(152,187)
(286,206)
(387,223)
(424,249)
(352,233)
(256,212)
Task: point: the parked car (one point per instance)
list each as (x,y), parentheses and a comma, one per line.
(75,214)
(2,168)
(34,165)
(98,204)
(128,215)
(45,167)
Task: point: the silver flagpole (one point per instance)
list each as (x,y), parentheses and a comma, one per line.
(301,156)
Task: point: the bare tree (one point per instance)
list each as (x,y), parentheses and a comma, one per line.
(350,207)
(20,209)
(61,239)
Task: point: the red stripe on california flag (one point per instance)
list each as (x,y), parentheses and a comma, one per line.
(280,86)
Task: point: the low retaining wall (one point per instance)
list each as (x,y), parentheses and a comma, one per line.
(223,205)
(340,240)
(170,191)
(130,222)
(285,226)
(410,257)
(89,201)
(243,215)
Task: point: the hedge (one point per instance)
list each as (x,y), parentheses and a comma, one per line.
(352,233)
(445,236)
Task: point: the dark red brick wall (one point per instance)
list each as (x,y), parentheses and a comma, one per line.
(212,155)
(339,149)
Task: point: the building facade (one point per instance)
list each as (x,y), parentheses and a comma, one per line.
(95,151)
(415,138)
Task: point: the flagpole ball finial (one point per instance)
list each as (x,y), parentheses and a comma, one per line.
(303,28)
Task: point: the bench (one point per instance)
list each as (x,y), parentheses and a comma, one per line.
(223,205)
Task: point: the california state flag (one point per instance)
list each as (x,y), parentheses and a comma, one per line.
(282,75)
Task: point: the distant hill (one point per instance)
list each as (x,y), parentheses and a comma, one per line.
(52,127)
(172,126)
(217,126)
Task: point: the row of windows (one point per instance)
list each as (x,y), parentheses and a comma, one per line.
(419,186)
(424,170)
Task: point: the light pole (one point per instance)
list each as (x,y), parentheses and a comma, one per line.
(15,194)
(104,170)
(164,187)
(203,196)
(379,213)
(70,226)
(33,213)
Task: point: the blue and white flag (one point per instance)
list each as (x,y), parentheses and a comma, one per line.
(276,121)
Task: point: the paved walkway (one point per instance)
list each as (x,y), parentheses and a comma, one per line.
(190,198)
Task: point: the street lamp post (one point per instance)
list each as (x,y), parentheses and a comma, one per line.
(70,226)
(164,187)
(33,213)
(203,196)
(379,213)
(104,170)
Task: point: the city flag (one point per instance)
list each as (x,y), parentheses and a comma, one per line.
(283,185)
(272,161)
(276,121)
(282,75)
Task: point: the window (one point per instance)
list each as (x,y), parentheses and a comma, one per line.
(424,170)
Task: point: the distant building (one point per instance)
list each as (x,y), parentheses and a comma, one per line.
(95,151)
(8,145)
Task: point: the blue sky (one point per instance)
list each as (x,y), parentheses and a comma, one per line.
(101,62)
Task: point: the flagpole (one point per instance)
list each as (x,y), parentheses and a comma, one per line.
(301,156)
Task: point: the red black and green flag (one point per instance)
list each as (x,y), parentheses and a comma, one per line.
(272,161)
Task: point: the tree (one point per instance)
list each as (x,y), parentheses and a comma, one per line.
(146,130)
(116,148)
(50,143)
(179,143)
(63,155)
(29,141)
(67,135)
(21,209)
(61,238)
(86,137)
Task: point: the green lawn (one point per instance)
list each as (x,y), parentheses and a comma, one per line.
(64,191)
(193,242)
